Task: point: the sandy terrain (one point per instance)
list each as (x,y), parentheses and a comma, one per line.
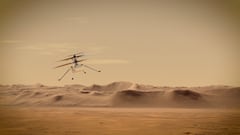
(113,121)
(119,108)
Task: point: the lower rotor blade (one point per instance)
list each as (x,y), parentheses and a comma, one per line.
(64,65)
(81,60)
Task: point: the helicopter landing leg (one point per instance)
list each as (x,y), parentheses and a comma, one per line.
(91,68)
(63,75)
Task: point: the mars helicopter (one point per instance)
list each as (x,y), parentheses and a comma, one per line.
(76,65)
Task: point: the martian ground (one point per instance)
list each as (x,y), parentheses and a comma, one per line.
(119,108)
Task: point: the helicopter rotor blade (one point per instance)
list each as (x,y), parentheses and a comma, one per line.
(64,65)
(75,54)
(70,63)
(81,60)
(69,58)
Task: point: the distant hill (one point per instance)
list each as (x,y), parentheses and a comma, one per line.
(120,94)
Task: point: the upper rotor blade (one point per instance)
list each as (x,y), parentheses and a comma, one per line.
(71,58)
(64,65)
(76,54)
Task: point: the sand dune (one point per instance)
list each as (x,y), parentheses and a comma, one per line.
(115,86)
(119,94)
(137,98)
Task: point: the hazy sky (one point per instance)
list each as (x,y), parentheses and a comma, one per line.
(150,42)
